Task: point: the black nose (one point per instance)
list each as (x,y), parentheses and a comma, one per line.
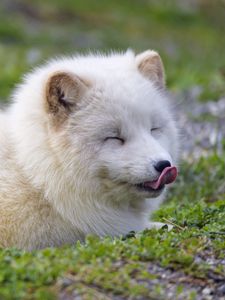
(161,165)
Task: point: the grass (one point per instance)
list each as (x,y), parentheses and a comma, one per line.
(191,42)
(122,267)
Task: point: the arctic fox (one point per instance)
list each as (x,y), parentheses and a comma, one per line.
(86,147)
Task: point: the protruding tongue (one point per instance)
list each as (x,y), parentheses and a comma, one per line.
(167,176)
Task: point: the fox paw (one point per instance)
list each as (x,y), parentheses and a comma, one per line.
(159,225)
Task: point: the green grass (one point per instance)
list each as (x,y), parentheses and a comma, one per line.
(100,267)
(191,41)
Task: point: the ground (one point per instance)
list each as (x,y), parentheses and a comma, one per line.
(189,261)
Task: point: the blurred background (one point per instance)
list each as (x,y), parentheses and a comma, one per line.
(188,34)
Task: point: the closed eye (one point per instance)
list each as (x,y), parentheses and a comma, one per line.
(114,138)
(155,129)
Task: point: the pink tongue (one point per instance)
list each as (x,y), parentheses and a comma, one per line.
(167,176)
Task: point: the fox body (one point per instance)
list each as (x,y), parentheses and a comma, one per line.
(82,148)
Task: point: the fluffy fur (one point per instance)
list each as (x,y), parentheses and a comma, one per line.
(80,133)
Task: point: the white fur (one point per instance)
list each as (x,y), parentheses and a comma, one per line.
(57,186)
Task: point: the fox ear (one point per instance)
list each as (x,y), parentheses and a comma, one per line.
(63,92)
(150,65)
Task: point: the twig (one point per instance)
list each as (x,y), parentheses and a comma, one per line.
(174,224)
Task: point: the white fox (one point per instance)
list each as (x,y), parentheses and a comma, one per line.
(86,147)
